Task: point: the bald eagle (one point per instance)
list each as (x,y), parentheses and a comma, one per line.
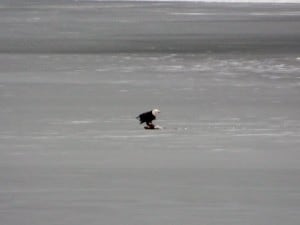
(148,117)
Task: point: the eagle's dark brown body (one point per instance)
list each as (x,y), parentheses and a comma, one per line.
(148,117)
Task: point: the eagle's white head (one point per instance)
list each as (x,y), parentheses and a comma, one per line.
(155,112)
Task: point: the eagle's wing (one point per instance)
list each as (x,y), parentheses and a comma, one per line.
(146,117)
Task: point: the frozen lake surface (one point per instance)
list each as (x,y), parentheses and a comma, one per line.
(72,152)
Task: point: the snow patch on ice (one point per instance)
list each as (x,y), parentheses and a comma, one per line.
(78,122)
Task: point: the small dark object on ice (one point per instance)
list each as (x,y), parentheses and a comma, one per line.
(153,127)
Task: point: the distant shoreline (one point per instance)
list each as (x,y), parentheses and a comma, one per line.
(200,1)
(170,27)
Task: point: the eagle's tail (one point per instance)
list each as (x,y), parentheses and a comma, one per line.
(139,118)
